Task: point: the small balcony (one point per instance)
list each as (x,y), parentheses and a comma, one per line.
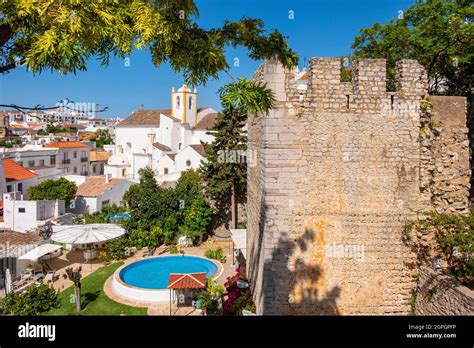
(84,173)
(84,159)
(65,161)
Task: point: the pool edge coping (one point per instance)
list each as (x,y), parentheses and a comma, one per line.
(116,275)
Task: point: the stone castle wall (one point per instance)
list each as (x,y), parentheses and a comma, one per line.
(338,173)
(438,294)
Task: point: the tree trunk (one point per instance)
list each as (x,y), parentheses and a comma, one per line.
(233,208)
(77,294)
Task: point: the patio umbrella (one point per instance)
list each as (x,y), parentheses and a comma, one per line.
(39,251)
(86,234)
(8,281)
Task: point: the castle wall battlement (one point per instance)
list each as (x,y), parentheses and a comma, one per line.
(341,167)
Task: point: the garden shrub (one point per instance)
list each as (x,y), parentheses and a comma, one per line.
(216,254)
(34,301)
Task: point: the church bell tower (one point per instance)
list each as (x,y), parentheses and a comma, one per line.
(184,105)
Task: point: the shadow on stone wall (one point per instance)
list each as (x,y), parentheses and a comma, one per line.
(306,280)
(297,290)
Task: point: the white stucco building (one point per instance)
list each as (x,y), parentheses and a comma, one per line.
(167,140)
(21,215)
(96,192)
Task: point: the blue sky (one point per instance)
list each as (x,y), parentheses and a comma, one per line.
(320,28)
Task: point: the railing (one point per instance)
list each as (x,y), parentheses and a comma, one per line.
(65,161)
(84,159)
(84,173)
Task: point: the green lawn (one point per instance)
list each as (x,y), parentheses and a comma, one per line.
(94,300)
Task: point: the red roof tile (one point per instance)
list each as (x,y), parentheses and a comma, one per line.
(95,186)
(187,281)
(198,148)
(66,144)
(207,121)
(14,171)
(146,118)
(162,147)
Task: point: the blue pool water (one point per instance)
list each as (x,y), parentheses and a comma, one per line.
(154,273)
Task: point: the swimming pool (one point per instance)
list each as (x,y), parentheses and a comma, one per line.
(147,280)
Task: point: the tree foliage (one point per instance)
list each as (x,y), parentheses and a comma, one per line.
(61,189)
(102,137)
(63,35)
(454,235)
(225,168)
(437,33)
(164,213)
(34,301)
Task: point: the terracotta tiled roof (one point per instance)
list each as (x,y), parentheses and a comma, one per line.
(95,185)
(12,238)
(198,148)
(162,147)
(96,156)
(146,117)
(206,122)
(17,126)
(187,281)
(305,75)
(66,144)
(14,171)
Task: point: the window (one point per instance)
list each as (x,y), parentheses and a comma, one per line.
(123,172)
(22,210)
(83,168)
(31,164)
(9,188)
(74,170)
(105,203)
(188,163)
(178,102)
(190,102)
(20,187)
(179,146)
(66,170)
(41,163)
(83,154)
(75,154)
(93,169)
(165,170)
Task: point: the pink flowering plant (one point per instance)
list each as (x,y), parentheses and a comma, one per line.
(237,299)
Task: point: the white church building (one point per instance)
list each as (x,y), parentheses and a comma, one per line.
(167,140)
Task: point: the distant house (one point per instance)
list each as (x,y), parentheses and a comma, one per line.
(4,122)
(73,156)
(99,191)
(22,215)
(17,177)
(98,160)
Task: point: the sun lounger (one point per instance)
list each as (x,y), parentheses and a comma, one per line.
(50,277)
(38,276)
(26,275)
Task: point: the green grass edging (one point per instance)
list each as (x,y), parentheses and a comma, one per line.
(94,300)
